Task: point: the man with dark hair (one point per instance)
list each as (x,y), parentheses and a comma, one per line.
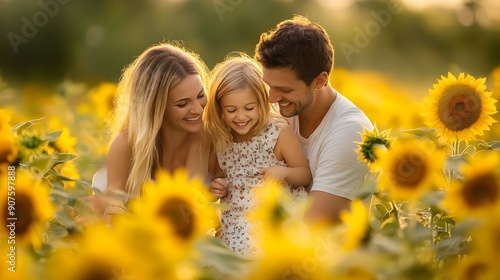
(297,58)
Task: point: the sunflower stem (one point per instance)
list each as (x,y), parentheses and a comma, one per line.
(466,149)
(431,224)
(455,150)
(395,210)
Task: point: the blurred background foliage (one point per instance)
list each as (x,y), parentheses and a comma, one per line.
(63,58)
(92,40)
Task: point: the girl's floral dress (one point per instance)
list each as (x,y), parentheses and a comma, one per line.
(241,163)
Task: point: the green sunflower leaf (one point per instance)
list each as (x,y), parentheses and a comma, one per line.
(18,128)
(62,158)
(218,255)
(481,145)
(381,208)
(429,133)
(40,165)
(51,137)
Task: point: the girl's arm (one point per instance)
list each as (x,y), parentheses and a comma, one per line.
(289,149)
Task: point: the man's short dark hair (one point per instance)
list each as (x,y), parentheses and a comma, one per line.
(297,43)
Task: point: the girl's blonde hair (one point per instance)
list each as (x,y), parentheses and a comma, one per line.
(237,72)
(142,98)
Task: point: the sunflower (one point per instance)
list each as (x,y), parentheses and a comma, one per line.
(276,212)
(486,238)
(479,192)
(291,257)
(98,253)
(357,230)
(102,99)
(68,170)
(9,150)
(18,264)
(371,141)
(5,117)
(459,108)
(30,210)
(65,143)
(275,205)
(475,267)
(177,208)
(410,168)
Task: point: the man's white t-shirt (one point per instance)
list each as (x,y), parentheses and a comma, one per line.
(331,149)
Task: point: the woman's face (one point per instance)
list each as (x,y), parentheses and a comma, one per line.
(185,105)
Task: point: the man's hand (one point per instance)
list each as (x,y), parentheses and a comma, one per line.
(274,172)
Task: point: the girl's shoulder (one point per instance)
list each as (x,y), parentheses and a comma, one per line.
(283,127)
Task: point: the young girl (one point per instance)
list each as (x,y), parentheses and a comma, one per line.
(250,146)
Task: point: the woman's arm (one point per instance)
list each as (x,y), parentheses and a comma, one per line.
(218,186)
(118,168)
(289,149)
(118,163)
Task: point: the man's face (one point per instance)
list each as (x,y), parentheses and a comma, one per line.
(292,95)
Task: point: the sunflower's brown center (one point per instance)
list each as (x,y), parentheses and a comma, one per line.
(359,273)
(98,271)
(24,212)
(179,214)
(410,169)
(480,190)
(459,107)
(5,152)
(288,270)
(475,271)
(278,214)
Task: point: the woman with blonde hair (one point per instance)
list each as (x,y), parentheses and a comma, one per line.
(250,145)
(158,120)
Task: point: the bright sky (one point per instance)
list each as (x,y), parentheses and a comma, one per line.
(487,14)
(420,4)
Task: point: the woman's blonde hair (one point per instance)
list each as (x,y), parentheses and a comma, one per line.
(141,104)
(237,72)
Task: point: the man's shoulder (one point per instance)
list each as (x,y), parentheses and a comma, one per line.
(346,112)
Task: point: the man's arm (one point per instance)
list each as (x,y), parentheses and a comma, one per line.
(325,207)
(338,174)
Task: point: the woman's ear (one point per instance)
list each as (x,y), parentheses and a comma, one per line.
(321,80)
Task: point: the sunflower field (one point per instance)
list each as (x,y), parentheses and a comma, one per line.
(430,206)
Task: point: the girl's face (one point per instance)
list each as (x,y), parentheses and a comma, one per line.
(240,112)
(185,105)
